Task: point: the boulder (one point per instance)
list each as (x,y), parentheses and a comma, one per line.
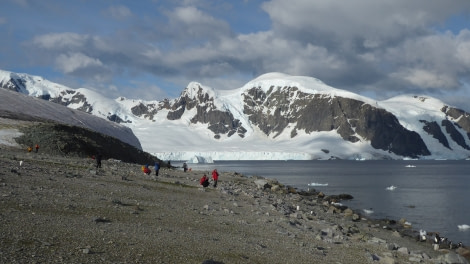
(452,257)
(262,184)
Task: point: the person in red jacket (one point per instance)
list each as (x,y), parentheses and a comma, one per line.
(215,177)
(204,181)
(146,169)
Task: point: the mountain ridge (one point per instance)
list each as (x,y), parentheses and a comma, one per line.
(277,116)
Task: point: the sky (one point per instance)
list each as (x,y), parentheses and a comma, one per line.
(152,49)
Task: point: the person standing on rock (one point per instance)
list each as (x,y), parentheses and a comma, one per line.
(37,148)
(157,168)
(204,181)
(185,167)
(215,177)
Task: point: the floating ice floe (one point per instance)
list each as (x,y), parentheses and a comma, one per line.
(317,184)
(368,211)
(410,166)
(391,188)
(463,227)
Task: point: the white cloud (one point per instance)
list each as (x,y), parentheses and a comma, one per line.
(191,23)
(119,12)
(69,63)
(381,45)
(60,40)
(426,79)
(431,62)
(345,19)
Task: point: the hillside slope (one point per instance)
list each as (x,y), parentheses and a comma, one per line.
(21,104)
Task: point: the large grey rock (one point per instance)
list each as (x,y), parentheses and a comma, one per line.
(453,258)
(262,184)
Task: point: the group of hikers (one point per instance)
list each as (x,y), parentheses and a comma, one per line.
(146,169)
(30,148)
(204,181)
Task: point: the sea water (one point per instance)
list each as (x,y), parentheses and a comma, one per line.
(431,195)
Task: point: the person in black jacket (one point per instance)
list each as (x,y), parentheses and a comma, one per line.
(98,160)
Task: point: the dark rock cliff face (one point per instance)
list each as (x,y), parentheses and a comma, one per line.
(146,111)
(13,84)
(220,122)
(354,120)
(455,134)
(433,128)
(77,98)
(462,117)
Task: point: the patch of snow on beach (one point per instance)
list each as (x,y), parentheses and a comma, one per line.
(7,137)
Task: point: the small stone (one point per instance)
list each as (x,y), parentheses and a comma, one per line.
(356,217)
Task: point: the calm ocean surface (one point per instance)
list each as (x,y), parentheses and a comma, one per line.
(431,195)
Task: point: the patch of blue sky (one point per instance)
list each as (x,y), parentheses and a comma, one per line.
(454,24)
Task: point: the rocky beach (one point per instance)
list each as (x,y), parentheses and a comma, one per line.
(57,209)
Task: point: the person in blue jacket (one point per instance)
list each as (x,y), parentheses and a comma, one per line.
(157,168)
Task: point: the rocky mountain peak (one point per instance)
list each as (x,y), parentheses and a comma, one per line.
(279,109)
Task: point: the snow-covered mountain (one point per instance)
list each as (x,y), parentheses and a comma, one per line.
(273,117)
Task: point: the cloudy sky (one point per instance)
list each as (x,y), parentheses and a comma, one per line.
(152,49)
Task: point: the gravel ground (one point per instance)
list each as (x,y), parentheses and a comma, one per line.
(56,209)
